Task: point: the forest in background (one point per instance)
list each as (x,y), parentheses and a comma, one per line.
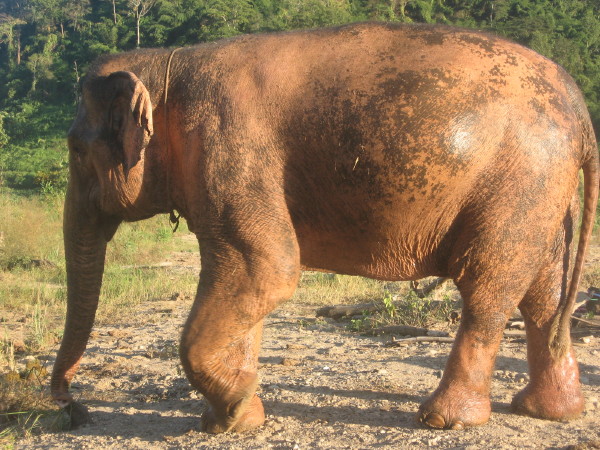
(46,46)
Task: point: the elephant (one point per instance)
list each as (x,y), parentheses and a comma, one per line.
(381,150)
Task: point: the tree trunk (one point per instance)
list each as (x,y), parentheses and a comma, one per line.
(85,248)
(137,25)
(114,12)
(18,49)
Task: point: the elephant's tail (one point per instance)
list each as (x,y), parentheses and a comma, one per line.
(560,328)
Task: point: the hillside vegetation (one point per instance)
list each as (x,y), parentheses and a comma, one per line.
(46,46)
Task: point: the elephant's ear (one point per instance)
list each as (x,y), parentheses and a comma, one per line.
(129,117)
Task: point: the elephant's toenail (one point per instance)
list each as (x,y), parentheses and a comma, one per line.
(434,420)
(458,425)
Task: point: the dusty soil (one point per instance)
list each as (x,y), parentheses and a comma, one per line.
(322,385)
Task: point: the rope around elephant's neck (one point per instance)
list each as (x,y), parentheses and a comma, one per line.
(173,216)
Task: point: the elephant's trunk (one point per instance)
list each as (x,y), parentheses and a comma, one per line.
(85,249)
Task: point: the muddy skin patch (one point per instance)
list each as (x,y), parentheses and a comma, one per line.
(487,43)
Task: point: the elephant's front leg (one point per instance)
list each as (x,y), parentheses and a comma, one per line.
(226,374)
(221,339)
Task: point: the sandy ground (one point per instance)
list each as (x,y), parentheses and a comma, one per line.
(322,385)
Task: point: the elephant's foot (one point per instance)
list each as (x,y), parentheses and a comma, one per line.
(244,415)
(549,402)
(554,392)
(76,415)
(455,409)
(62,398)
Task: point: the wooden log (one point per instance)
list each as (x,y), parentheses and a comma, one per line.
(339,311)
(407,330)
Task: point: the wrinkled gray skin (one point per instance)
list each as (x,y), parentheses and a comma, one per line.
(388,151)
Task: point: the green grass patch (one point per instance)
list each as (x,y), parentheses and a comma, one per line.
(406,309)
(32,270)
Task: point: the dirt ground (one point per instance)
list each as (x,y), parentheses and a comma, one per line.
(322,386)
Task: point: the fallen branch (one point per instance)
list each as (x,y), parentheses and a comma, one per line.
(411,340)
(592,323)
(340,311)
(406,330)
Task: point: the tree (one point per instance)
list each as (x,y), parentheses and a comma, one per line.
(139,9)
(10,37)
(114,10)
(75,12)
(40,63)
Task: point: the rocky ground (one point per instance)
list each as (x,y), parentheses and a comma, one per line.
(322,385)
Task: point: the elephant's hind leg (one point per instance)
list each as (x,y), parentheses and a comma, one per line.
(553,391)
(241,281)
(492,272)
(462,398)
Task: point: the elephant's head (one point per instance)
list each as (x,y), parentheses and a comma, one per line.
(112,178)
(107,144)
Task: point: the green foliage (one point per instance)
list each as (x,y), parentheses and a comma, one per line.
(421,312)
(46,45)
(34,161)
(404,309)
(388,302)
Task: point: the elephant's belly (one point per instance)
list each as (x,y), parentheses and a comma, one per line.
(393,258)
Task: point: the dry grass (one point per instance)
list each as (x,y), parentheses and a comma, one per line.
(30,230)
(25,405)
(316,288)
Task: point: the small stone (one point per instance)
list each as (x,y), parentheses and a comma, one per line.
(18,345)
(521,378)
(290,362)
(117,333)
(295,346)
